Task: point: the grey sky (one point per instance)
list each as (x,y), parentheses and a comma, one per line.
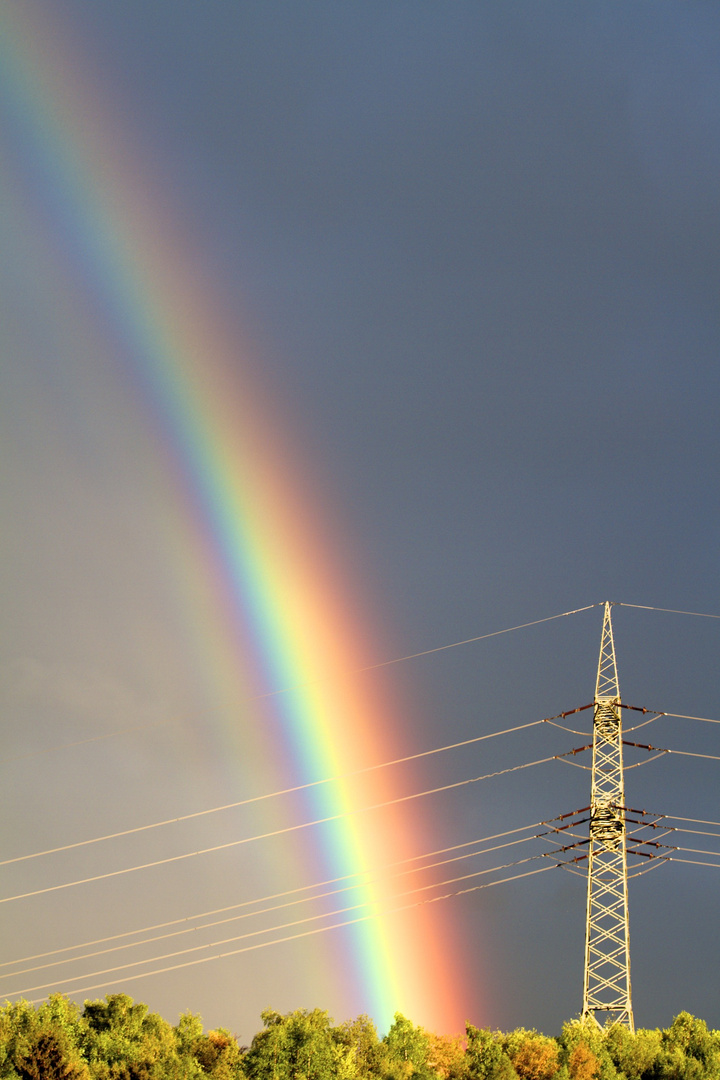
(477,246)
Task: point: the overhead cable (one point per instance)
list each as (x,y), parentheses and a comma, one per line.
(275,832)
(399,660)
(466,641)
(281,926)
(659,713)
(91,739)
(263,899)
(261,911)
(695,832)
(694,862)
(636,727)
(682,716)
(692,820)
(658,751)
(306,933)
(687,753)
(698,851)
(297,686)
(317,930)
(671,611)
(659,861)
(272,795)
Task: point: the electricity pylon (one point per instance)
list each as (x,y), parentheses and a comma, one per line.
(606,990)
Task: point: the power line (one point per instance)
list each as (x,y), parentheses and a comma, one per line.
(440,648)
(698,851)
(274,794)
(682,716)
(647,761)
(688,753)
(694,862)
(572,731)
(271,896)
(314,897)
(267,910)
(317,930)
(298,922)
(691,820)
(426,866)
(671,611)
(297,686)
(282,926)
(276,832)
(91,739)
(659,751)
(656,862)
(467,641)
(636,727)
(695,832)
(388,663)
(659,713)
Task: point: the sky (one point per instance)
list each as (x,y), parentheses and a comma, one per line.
(414,306)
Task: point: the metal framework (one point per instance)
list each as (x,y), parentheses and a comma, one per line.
(606,992)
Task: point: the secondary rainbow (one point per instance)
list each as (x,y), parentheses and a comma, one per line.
(280,593)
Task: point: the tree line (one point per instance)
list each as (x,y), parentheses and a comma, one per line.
(119,1039)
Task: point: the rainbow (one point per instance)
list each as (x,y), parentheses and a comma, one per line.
(252,544)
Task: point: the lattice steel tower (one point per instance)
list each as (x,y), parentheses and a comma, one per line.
(606,993)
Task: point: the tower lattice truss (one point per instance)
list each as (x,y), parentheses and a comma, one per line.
(606,994)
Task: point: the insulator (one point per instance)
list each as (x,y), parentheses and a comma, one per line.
(606,827)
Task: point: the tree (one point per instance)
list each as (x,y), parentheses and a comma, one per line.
(298,1046)
(48,1059)
(446,1057)
(42,1043)
(215,1053)
(582,1063)
(692,1036)
(360,1051)
(407,1051)
(219,1055)
(593,1038)
(125,1041)
(533,1056)
(486,1058)
(635,1056)
(688,1051)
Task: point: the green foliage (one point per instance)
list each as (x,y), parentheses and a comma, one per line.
(119,1039)
(593,1061)
(47,1058)
(188,1032)
(697,1043)
(634,1056)
(127,1042)
(114,1039)
(360,1052)
(299,1045)
(407,1051)
(41,1043)
(215,1053)
(219,1055)
(487,1058)
(688,1051)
